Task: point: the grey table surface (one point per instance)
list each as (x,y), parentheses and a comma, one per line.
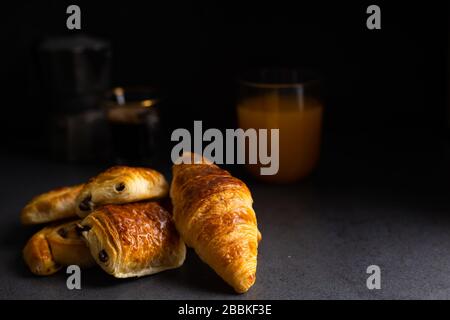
(374,207)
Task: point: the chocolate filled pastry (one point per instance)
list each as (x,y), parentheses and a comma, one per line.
(133,240)
(68,246)
(214,215)
(51,206)
(56,246)
(119,185)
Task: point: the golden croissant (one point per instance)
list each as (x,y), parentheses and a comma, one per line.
(121,184)
(134,239)
(56,246)
(214,215)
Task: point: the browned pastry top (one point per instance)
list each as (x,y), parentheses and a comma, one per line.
(140,222)
(133,239)
(117,171)
(197,184)
(121,184)
(54,205)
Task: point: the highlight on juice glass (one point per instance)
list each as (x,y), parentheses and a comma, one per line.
(288,100)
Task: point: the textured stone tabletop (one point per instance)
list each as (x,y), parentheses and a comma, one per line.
(319,236)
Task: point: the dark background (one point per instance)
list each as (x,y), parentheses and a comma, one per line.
(388,84)
(379,196)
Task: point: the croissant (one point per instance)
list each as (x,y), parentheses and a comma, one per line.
(214,215)
(133,239)
(51,206)
(118,185)
(56,246)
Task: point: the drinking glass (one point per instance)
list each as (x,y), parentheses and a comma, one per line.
(288,100)
(134,118)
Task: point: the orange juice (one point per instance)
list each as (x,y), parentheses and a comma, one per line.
(299,120)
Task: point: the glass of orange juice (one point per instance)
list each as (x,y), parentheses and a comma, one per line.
(288,100)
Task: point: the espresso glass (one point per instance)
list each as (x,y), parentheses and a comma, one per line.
(134,119)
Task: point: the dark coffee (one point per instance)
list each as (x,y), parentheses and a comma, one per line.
(134,130)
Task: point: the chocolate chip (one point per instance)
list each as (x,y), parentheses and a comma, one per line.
(85,205)
(120,187)
(103,256)
(80,229)
(62,232)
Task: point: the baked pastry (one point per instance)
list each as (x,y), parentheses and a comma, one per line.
(51,206)
(56,246)
(214,215)
(133,240)
(38,254)
(118,185)
(68,247)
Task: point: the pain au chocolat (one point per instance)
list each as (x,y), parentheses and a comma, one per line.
(133,240)
(51,206)
(56,246)
(120,184)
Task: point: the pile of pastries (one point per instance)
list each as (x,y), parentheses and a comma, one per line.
(131,223)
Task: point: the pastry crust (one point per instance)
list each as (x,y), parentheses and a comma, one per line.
(56,246)
(133,240)
(51,206)
(214,215)
(38,255)
(68,246)
(119,185)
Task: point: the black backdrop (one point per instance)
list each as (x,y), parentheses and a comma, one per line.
(390,80)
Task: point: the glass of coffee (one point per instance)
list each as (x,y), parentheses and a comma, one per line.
(134,119)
